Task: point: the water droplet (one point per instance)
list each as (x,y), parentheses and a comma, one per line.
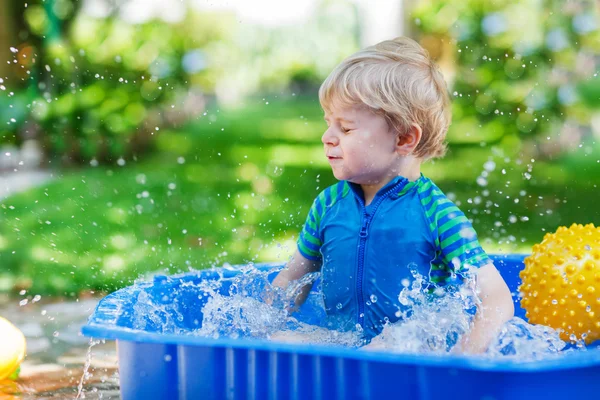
(489,166)
(373,299)
(572,337)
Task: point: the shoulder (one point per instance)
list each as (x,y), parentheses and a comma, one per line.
(327,199)
(443,215)
(333,194)
(432,198)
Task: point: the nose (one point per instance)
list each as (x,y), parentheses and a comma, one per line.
(329,138)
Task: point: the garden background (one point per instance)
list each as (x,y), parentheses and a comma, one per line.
(180,135)
(145,136)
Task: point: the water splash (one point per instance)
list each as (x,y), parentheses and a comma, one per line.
(86,374)
(433,320)
(149,314)
(252,307)
(438,317)
(525,342)
(240,302)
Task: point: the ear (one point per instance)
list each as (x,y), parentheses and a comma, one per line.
(408,141)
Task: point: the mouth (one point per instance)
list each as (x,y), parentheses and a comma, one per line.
(331,158)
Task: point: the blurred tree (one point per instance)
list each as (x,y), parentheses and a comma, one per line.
(7,37)
(105,86)
(518,68)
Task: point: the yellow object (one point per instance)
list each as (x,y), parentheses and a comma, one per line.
(12,348)
(561,282)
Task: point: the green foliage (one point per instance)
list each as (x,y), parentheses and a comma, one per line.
(214,193)
(521,70)
(236,187)
(105,86)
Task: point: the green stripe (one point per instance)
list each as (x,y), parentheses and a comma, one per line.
(447,211)
(321,199)
(312,224)
(461,250)
(476,259)
(345,189)
(306,250)
(334,194)
(456,237)
(434,206)
(434,193)
(443,213)
(424,187)
(452,223)
(312,239)
(406,188)
(438,279)
(438,267)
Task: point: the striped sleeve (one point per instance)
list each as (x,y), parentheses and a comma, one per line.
(311,236)
(456,241)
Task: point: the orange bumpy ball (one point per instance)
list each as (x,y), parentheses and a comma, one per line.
(561,282)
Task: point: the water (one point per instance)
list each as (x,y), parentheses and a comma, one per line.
(252,307)
(438,317)
(86,370)
(247,306)
(433,320)
(63,364)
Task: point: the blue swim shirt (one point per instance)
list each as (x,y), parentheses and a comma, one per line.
(367,252)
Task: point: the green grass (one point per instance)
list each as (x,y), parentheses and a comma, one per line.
(235,186)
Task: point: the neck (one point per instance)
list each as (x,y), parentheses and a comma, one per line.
(408,167)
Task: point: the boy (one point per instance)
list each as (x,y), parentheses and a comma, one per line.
(387,111)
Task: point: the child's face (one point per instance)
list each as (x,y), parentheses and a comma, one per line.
(360,146)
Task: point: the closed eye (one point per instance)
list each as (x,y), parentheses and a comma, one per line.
(346,130)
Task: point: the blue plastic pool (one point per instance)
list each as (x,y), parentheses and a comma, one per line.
(155,365)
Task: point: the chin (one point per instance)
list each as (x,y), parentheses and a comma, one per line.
(340,176)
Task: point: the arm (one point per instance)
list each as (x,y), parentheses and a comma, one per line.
(295,269)
(495,310)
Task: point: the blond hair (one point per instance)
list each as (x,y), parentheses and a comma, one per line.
(396,79)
